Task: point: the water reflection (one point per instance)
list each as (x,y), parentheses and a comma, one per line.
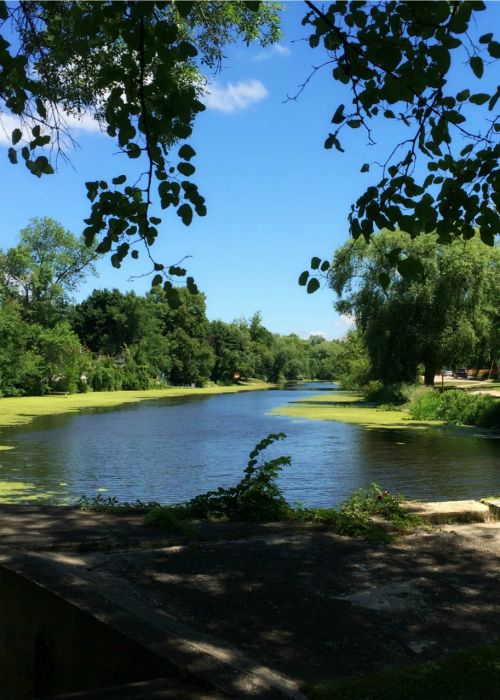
(173,449)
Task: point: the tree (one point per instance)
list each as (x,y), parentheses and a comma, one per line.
(186,329)
(232,347)
(44,269)
(447,315)
(108,321)
(135,67)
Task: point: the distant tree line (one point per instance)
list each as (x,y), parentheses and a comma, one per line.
(114,340)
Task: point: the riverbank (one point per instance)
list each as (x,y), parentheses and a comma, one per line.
(24,409)
(348,407)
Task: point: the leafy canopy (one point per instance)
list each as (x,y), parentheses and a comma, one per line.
(136,68)
(441,172)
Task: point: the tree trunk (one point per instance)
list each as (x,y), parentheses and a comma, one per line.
(429,374)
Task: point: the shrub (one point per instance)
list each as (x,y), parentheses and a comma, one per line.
(457,407)
(389,394)
(425,406)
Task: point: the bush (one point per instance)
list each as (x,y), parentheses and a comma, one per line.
(135,377)
(106,378)
(389,394)
(457,407)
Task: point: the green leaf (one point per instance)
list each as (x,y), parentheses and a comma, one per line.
(119,180)
(476,63)
(155,220)
(4,12)
(325,265)
(40,108)
(186,169)
(186,214)
(157,279)
(465,151)
(409,268)
(354,123)
(332,140)
(312,285)
(463,95)
(303,277)
(365,168)
(486,38)
(494,49)
(315,262)
(12,154)
(186,152)
(384,280)
(16,136)
(135,254)
(338,117)
(133,150)
(480,98)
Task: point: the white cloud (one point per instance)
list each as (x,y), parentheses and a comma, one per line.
(274,50)
(234,97)
(8,122)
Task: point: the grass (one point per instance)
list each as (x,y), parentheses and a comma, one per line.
(347,407)
(472,674)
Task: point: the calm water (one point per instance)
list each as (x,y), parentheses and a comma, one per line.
(170,450)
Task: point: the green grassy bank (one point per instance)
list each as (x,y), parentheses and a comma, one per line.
(472,674)
(348,407)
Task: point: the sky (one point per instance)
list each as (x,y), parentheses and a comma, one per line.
(275,196)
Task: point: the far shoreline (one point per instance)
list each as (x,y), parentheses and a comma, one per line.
(17,411)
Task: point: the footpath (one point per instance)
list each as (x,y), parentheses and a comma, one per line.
(101,606)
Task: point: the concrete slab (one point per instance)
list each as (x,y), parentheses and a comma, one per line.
(159,689)
(252,611)
(444,512)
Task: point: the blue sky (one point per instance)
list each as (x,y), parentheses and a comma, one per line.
(275,197)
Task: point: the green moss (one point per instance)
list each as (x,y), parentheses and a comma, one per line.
(328,407)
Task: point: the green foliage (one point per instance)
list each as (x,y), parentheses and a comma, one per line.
(44,269)
(136,68)
(355,515)
(457,407)
(396,59)
(389,394)
(446,316)
(354,368)
(465,675)
(255,497)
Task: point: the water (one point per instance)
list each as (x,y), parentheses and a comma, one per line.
(173,449)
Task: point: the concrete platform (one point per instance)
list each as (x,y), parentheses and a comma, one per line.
(159,689)
(243,610)
(449,512)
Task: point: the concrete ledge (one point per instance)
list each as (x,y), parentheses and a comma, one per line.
(196,657)
(447,512)
(159,689)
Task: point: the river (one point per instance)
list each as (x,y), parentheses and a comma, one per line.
(170,450)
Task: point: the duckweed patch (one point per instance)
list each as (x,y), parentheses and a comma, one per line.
(327,407)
